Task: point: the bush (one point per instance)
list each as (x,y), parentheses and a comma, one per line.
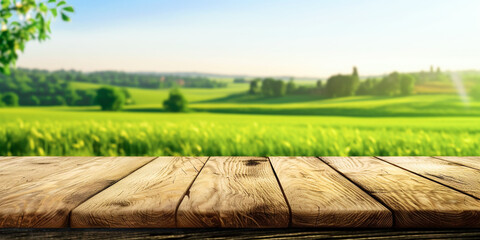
(10,99)
(176,102)
(110,99)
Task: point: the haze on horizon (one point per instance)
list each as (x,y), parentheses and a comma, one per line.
(269,37)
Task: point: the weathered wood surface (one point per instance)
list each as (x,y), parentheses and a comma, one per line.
(414,200)
(234,192)
(320,197)
(5,158)
(16,171)
(473,162)
(209,233)
(451,174)
(146,198)
(47,200)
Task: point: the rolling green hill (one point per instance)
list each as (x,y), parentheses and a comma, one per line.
(235,100)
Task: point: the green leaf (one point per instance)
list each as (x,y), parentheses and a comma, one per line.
(68,9)
(54,12)
(65,17)
(51,1)
(61,3)
(7,15)
(5,3)
(6,70)
(43,7)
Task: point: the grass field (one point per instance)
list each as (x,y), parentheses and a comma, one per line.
(221,124)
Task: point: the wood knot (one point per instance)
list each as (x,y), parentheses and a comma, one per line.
(252,162)
(121,203)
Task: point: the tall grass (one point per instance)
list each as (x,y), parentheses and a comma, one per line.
(412,125)
(234,137)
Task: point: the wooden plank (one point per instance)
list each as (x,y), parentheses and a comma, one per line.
(473,162)
(414,200)
(3,158)
(16,171)
(146,198)
(234,192)
(245,234)
(47,201)
(321,197)
(451,174)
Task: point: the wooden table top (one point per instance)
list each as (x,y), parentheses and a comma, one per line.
(240,192)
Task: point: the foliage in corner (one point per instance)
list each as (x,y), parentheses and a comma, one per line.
(25,20)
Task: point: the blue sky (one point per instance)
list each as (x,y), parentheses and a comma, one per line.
(274,37)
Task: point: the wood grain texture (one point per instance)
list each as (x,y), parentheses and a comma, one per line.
(451,174)
(414,200)
(46,201)
(3,158)
(16,171)
(321,197)
(247,234)
(146,198)
(473,162)
(234,192)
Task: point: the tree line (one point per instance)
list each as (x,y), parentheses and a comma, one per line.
(140,80)
(31,87)
(343,85)
(42,88)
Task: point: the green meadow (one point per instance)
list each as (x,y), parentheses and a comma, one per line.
(229,122)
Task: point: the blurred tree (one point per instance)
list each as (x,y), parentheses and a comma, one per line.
(110,99)
(279,88)
(355,72)
(407,84)
(291,86)
(254,86)
(390,85)
(10,99)
(319,84)
(342,85)
(239,80)
(86,97)
(367,87)
(128,96)
(32,101)
(31,21)
(176,102)
(273,87)
(267,87)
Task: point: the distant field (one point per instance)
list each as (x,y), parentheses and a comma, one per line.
(151,96)
(234,100)
(435,87)
(415,125)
